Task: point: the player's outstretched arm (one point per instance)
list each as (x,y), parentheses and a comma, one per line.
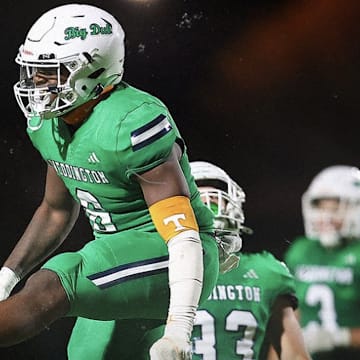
(285,334)
(167,195)
(50,224)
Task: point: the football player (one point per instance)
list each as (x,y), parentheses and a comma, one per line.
(326,264)
(252,305)
(116,152)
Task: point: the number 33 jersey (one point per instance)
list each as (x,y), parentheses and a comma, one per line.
(231,323)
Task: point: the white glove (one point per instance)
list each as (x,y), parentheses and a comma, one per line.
(318,338)
(8,280)
(230,243)
(171,348)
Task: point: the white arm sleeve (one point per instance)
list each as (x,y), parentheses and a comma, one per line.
(185,281)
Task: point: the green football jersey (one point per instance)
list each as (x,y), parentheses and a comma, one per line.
(127,133)
(231,323)
(327,282)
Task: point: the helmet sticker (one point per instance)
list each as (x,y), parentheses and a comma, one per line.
(73,32)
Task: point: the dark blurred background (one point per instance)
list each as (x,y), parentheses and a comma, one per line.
(268,90)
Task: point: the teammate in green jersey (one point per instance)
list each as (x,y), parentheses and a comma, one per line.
(115,151)
(326,264)
(252,306)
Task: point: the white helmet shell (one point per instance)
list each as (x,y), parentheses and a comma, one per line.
(87,41)
(338,182)
(215,183)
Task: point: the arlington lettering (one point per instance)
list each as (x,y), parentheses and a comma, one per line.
(236,292)
(79,173)
(339,275)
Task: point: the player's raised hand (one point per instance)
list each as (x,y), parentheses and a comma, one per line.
(171,348)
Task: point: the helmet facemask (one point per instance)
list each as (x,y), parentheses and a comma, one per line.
(48,101)
(221,194)
(228,212)
(324,223)
(47,98)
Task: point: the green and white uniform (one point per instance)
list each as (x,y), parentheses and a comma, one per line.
(327,284)
(122,273)
(231,324)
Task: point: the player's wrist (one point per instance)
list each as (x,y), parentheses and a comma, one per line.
(178,330)
(342,337)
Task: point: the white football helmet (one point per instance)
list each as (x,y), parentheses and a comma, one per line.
(216,187)
(86,42)
(341,183)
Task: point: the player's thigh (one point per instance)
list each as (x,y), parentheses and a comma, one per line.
(116,276)
(124,275)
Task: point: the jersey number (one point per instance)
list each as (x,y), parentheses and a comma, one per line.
(99,218)
(323,295)
(235,321)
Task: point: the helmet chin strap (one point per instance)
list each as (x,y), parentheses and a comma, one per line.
(78,115)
